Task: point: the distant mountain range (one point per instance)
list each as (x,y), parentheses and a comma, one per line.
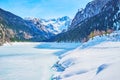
(99,17)
(54,26)
(14,28)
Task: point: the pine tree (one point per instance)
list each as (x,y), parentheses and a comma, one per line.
(2,35)
(91,35)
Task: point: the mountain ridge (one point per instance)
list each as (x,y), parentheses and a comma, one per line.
(92,8)
(105,22)
(19,29)
(55,25)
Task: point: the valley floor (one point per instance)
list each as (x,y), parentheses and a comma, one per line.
(97,59)
(30,61)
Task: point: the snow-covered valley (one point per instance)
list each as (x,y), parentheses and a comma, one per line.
(53,42)
(30,61)
(96,59)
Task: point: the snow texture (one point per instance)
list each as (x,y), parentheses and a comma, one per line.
(29,61)
(97,59)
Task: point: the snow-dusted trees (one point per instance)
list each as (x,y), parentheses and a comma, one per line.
(2,34)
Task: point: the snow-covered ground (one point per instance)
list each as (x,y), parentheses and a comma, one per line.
(30,61)
(97,59)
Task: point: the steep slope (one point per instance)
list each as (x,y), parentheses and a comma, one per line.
(97,59)
(106,21)
(92,8)
(18,28)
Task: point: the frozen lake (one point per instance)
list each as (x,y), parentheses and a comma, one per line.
(30,61)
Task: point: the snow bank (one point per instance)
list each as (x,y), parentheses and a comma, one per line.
(91,63)
(97,59)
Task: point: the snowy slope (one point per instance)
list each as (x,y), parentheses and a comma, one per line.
(97,59)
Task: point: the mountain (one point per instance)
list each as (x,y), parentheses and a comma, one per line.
(92,8)
(15,28)
(105,21)
(53,26)
(18,28)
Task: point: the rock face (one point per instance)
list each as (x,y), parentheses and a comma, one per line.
(102,21)
(92,8)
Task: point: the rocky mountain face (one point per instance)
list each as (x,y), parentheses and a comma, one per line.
(18,28)
(92,8)
(14,28)
(102,18)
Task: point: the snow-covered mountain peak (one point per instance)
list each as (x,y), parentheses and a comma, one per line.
(54,26)
(65,18)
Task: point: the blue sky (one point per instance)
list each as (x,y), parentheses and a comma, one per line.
(43,8)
